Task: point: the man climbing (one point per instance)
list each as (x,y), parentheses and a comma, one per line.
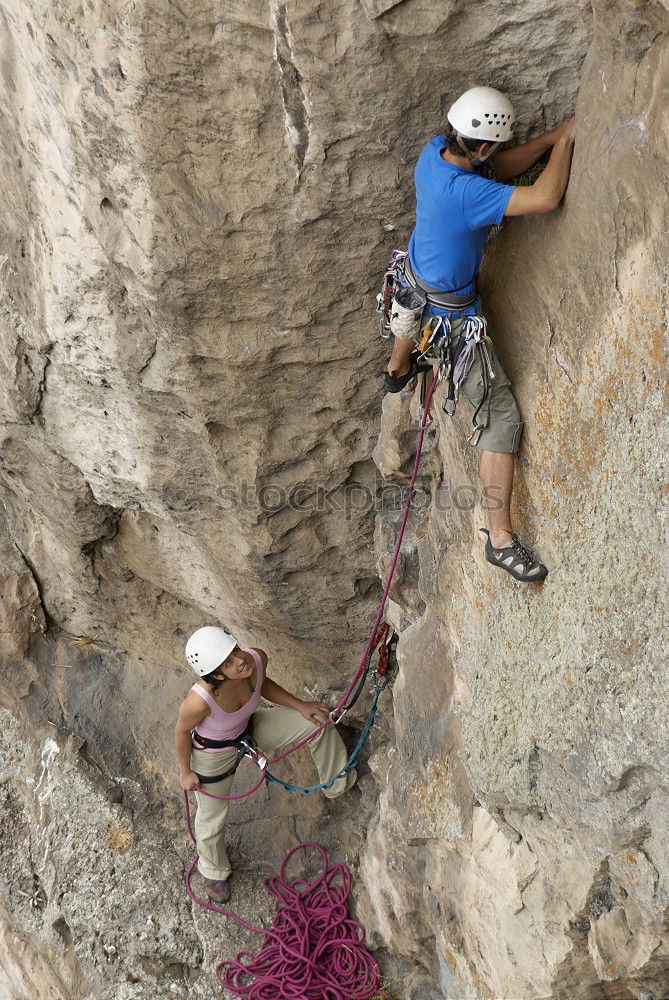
(455,207)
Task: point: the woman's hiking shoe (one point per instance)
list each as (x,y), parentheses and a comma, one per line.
(395,383)
(218,890)
(515,559)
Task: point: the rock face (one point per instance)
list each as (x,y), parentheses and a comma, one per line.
(196,203)
(524,806)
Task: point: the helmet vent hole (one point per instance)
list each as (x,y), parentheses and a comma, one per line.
(497,136)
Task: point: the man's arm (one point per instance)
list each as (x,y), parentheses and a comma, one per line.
(512,162)
(546,193)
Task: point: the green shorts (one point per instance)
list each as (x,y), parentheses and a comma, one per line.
(503,426)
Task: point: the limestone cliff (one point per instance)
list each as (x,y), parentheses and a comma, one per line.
(196,203)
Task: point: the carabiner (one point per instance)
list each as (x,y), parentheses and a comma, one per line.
(335,722)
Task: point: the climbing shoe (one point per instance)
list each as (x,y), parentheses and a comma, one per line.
(515,559)
(395,383)
(218,890)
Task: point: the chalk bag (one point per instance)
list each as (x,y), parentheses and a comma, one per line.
(406,313)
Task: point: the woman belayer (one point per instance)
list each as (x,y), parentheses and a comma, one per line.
(218,710)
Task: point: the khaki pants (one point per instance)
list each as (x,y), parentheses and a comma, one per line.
(503,426)
(274,729)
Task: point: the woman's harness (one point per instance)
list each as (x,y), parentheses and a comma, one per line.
(243,744)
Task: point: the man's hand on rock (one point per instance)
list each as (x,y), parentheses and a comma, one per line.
(565,130)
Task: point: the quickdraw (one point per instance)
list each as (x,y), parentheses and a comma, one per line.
(386,640)
(455,359)
(434,346)
(391,280)
(389,641)
(474,337)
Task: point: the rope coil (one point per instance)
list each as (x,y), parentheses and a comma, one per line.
(314,949)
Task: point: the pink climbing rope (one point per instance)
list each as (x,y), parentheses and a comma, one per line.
(379,614)
(313,951)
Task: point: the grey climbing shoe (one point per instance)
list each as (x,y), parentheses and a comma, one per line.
(515,559)
(218,890)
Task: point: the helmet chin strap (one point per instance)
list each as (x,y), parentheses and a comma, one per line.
(476,160)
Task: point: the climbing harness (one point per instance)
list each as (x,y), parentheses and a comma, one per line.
(242,744)
(313,949)
(399,274)
(454,358)
(434,296)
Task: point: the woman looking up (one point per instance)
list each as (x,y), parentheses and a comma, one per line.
(217,710)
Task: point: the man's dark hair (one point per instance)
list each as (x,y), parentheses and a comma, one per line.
(453,146)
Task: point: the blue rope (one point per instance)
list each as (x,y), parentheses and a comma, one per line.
(350,763)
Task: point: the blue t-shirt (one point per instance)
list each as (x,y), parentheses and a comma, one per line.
(455,208)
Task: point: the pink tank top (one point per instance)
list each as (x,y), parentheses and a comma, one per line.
(224,725)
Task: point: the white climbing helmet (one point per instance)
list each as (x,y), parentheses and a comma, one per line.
(208,647)
(483,113)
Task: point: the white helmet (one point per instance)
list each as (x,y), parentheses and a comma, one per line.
(483,113)
(208,647)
